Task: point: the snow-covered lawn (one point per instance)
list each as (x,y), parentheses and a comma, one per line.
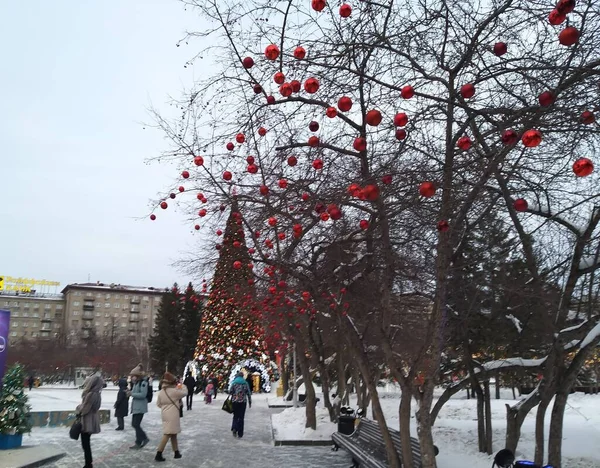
(455,432)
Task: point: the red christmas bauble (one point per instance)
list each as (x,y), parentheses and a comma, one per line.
(164,205)
(345,10)
(546,99)
(279,78)
(292,161)
(467,90)
(568,36)
(370,192)
(282,183)
(272,221)
(427,189)
(153,217)
(387,179)
(556,17)
(464,143)
(198,160)
(181,188)
(250,159)
(240,138)
(305,197)
(320,207)
(583,167)
(202,213)
(317,164)
(313,141)
(281,235)
(400,119)
(509,137)
(286,90)
(252,168)
(270,99)
(400,134)
(299,53)
(227,175)
(172,196)
(324,216)
(531,138)
(331,112)
(373,118)
(230,146)
(248,62)
(520,204)
(197,227)
(334,212)
(360,144)
(257,88)
(219,232)
(364,224)
(500,48)
(345,104)
(443,226)
(237,264)
(311,85)
(407,92)
(296,85)
(185,174)
(313,126)
(565,6)
(587,117)
(318,5)
(272,52)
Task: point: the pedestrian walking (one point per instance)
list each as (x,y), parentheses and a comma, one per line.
(208,393)
(121,405)
(169,400)
(215,383)
(190,383)
(31,382)
(88,410)
(139,405)
(240,393)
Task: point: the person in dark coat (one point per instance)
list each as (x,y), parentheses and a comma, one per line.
(88,410)
(215,383)
(190,383)
(121,405)
(31,382)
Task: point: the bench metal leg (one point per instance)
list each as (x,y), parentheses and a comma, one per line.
(354,464)
(335,448)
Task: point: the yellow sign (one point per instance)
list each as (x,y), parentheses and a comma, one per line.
(10,283)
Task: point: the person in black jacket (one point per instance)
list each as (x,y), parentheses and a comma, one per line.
(190,383)
(121,405)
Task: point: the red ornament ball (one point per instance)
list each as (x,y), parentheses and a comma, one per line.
(202,213)
(252,168)
(364,224)
(286,90)
(181,188)
(520,204)
(583,167)
(324,216)
(546,99)
(317,164)
(240,138)
(311,85)
(198,160)
(262,131)
(282,183)
(250,159)
(172,195)
(313,126)
(345,104)
(500,48)
(272,221)
(219,232)
(264,190)
(272,52)
(313,141)
(227,175)
(292,161)
(509,137)
(556,17)
(532,138)
(464,143)
(587,118)
(407,92)
(467,90)
(400,119)
(237,264)
(279,78)
(248,62)
(400,134)
(164,205)
(427,189)
(443,226)
(568,36)
(296,86)
(197,227)
(360,144)
(370,192)
(331,112)
(230,146)
(257,89)
(373,118)
(345,10)
(270,100)
(185,174)
(387,179)
(318,5)
(299,53)
(305,197)
(565,6)
(153,217)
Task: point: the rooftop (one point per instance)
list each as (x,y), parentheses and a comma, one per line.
(114,287)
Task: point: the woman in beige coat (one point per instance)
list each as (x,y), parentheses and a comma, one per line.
(88,410)
(169,402)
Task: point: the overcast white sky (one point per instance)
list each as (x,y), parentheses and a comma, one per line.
(76,80)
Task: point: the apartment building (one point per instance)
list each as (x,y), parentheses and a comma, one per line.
(34,315)
(109,312)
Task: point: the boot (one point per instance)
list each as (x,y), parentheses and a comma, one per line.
(177,454)
(159,457)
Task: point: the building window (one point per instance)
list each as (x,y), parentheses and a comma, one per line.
(59,306)
(35,325)
(123,325)
(146,306)
(15,324)
(15,304)
(6,303)
(98,314)
(77,293)
(117,296)
(76,303)
(117,305)
(88,294)
(124,307)
(107,296)
(146,298)
(98,304)
(26,305)
(36,306)
(126,296)
(25,324)
(13,334)
(106,324)
(116,315)
(47,307)
(75,312)
(107,315)
(25,314)
(36,315)
(107,305)
(57,325)
(144,317)
(15,314)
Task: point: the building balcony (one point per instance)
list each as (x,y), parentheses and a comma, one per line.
(89,299)
(88,316)
(134,318)
(87,325)
(46,318)
(133,327)
(88,306)
(135,300)
(135,310)
(45,328)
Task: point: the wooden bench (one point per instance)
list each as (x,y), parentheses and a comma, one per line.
(367,448)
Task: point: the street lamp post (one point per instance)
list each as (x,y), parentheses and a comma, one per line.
(295,392)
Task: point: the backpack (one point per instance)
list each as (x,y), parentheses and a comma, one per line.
(150,392)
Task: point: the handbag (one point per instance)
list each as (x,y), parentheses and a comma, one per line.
(75,430)
(180,405)
(228,405)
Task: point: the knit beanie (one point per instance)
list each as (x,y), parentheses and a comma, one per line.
(169,378)
(137,371)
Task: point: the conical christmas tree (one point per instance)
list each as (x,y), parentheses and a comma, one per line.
(14,410)
(231,337)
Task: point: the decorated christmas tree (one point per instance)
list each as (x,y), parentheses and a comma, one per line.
(14,410)
(231,337)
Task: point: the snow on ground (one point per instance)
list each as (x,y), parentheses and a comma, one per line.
(455,432)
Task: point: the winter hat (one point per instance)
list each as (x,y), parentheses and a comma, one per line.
(169,378)
(137,371)
(239,374)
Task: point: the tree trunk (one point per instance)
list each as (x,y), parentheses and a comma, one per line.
(311,402)
(497,385)
(515,416)
(393,460)
(480,418)
(342,388)
(325,388)
(556,427)
(514,394)
(405,403)
(488,417)
(424,426)
(285,375)
(540,420)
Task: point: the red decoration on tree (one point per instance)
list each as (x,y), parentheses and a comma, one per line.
(324,216)
(153,217)
(262,131)
(227,175)
(583,167)
(407,92)
(257,88)
(252,168)
(555,17)
(292,161)
(345,104)
(546,99)
(311,85)
(334,212)
(509,137)
(202,213)
(272,52)
(219,232)
(250,159)
(181,188)
(164,205)
(185,174)
(318,5)
(400,119)
(272,221)
(197,227)
(296,86)
(282,183)
(500,48)
(264,190)
(464,143)
(230,146)
(364,224)
(373,118)
(248,62)
(520,204)
(313,141)
(587,117)
(240,138)
(279,78)
(331,112)
(172,195)
(565,6)
(299,53)
(370,192)
(427,189)
(387,179)
(270,100)
(317,164)
(400,134)
(345,10)
(237,264)
(313,126)
(360,144)
(443,226)
(467,90)
(286,90)
(568,36)
(305,197)
(531,138)
(198,160)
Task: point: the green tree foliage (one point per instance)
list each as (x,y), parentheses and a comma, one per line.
(14,410)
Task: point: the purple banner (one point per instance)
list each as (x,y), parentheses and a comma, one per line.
(4,327)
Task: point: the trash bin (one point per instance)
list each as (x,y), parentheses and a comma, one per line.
(346,424)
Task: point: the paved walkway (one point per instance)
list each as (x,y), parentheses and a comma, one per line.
(205,441)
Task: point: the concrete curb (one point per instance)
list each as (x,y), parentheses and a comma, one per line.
(30,456)
(296,443)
